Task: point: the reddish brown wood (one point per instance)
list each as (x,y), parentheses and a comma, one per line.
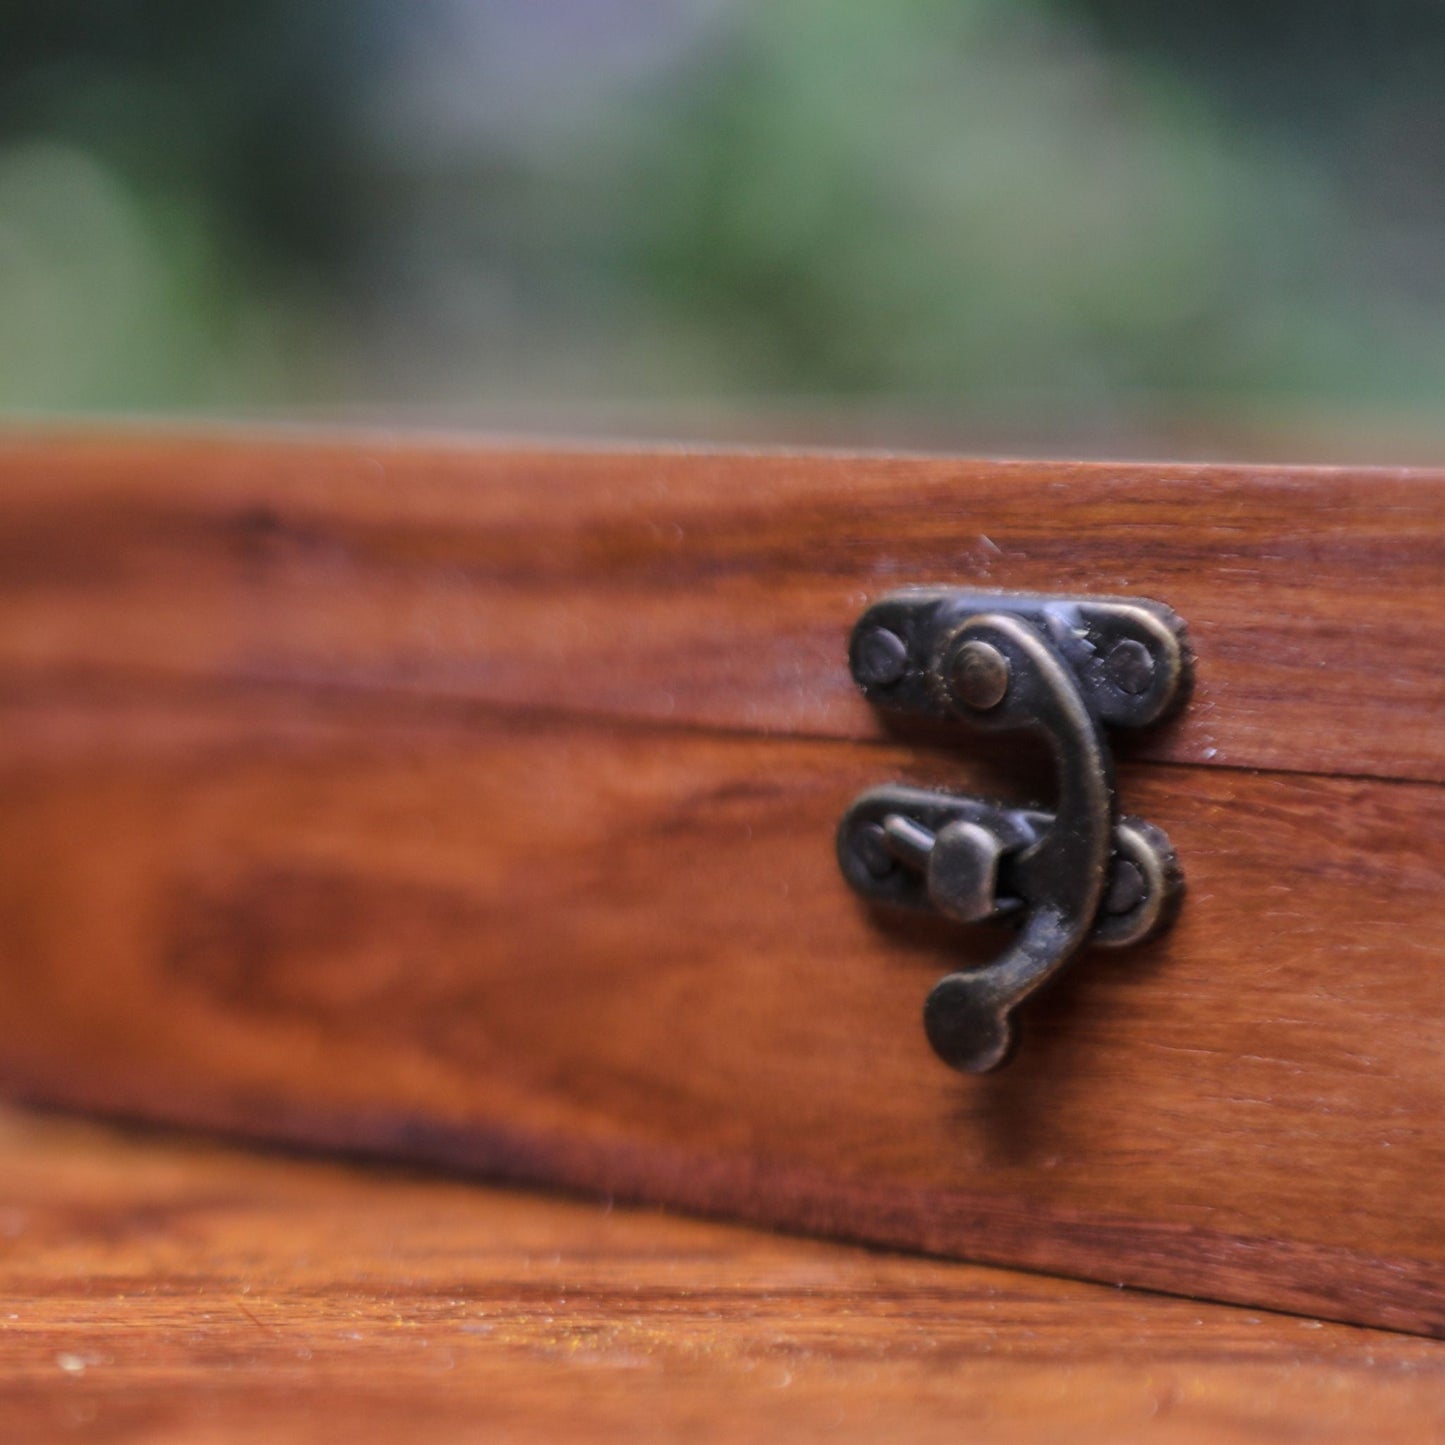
(710,589)
(620,957)
(160,1291)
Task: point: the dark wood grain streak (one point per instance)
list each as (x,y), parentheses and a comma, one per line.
(620,957)
(156,1290)
(714,589)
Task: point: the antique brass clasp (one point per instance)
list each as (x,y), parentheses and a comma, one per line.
(1066,667)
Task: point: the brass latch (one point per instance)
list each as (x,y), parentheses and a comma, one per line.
(1065,666)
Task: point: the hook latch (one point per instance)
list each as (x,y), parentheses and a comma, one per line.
(1065,667)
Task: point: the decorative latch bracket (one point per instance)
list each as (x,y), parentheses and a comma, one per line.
(1067,667)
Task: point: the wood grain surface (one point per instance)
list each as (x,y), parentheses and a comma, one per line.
(161,1291)
(620,957)
(711,589)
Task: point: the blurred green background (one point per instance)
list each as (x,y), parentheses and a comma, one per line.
(1101,206)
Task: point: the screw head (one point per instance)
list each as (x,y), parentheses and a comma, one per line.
(1130,666)
(979,676)
(1126,889)
(880,658)
(869,845)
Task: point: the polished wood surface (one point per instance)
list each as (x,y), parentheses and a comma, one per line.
(712,589)
(621,957)
(157,1290)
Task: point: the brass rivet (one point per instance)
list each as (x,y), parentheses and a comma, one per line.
(980,675)
(870,847)
(1130,666)
(1126,889)
(881,658)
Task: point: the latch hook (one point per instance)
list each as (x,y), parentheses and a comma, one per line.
(1065,667)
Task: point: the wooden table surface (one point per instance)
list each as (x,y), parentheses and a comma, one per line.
(158,1288)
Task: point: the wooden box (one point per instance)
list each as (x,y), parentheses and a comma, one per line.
(477,806)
